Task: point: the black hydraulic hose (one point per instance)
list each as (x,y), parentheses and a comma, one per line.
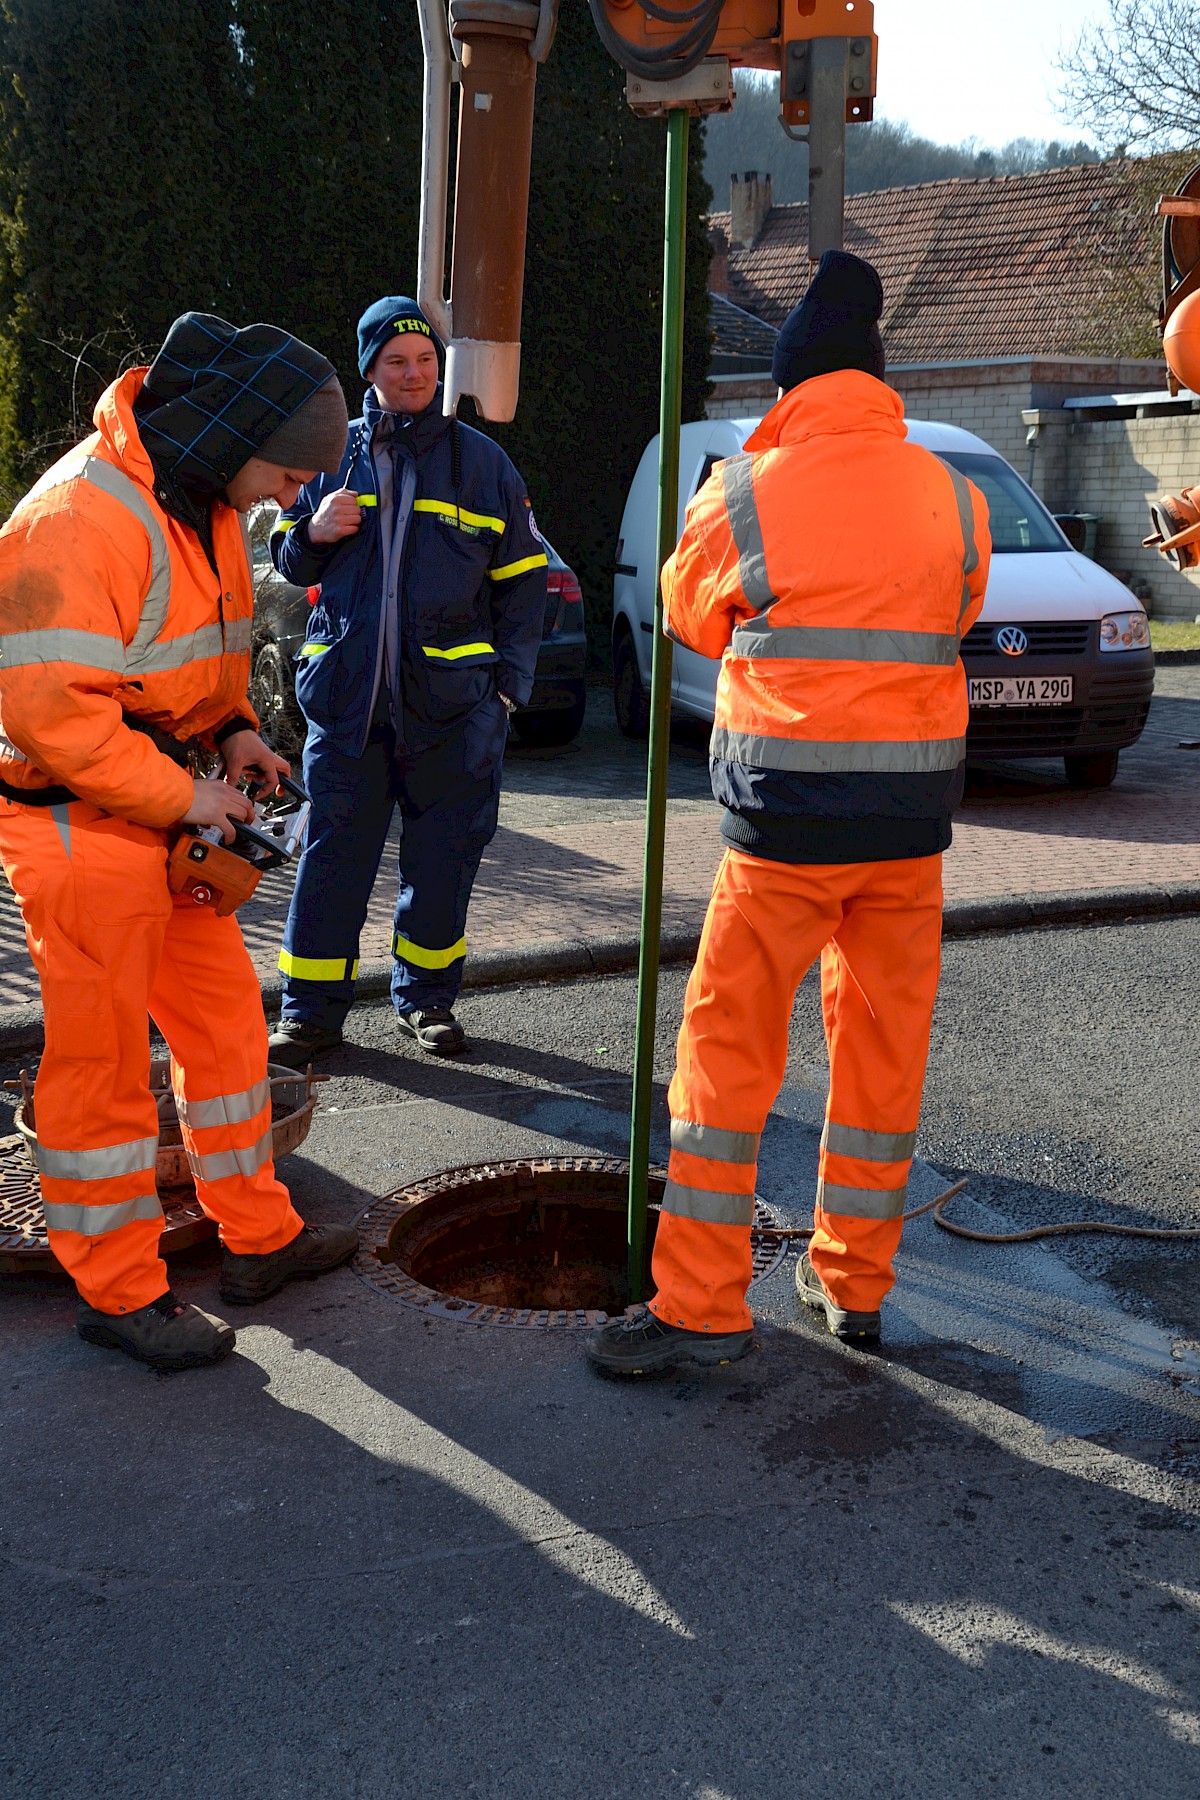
(681,17)
(684,53)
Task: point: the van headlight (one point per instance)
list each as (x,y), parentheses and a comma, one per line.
(1124,631)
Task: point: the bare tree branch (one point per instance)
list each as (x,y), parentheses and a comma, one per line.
(1134,79)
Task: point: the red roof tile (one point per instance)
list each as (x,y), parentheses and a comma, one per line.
(1011,266)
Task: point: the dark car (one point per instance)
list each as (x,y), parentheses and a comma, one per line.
(553,715)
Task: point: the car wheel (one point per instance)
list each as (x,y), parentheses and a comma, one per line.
(547,730)
(629,696)
(1096,771)
(272,694)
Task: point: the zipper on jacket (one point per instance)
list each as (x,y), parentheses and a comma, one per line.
(364,448)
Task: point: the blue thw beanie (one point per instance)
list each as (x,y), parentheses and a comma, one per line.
(835,326)
(389,318)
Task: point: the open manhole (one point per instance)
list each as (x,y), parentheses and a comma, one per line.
(539,1242)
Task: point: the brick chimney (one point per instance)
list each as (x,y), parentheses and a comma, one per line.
(749,204)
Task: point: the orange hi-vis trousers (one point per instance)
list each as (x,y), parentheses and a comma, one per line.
(111,944)
(877,928)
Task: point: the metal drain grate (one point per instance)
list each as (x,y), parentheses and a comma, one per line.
(23,1243)
(375,1224)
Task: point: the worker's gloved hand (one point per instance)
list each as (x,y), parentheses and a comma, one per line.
(339,515)
(245,753)
(216,803)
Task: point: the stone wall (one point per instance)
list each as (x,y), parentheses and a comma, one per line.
(1115,466)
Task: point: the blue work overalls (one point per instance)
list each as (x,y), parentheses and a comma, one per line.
(430,612)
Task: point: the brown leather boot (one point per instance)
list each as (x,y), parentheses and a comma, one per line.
(313,1251)
(167,1334)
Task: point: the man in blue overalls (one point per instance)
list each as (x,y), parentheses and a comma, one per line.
(423,639)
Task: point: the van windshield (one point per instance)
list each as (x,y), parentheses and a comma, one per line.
(1019,520)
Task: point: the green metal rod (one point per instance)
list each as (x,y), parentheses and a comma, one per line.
(670,407)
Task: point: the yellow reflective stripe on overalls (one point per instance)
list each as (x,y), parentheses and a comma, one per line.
(314,649)
(318,968)
(282,527)
(447,510)
(518,568)
(427,959)
(453,654)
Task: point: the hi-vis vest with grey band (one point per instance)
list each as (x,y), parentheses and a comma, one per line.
(758,638)
(145,654)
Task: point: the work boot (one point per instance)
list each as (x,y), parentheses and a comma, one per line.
(436,1029)
(167,1334)
(851,1327)
(295,1042)
(313,1251)
(640,1344)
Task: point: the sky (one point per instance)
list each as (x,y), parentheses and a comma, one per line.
(955,69)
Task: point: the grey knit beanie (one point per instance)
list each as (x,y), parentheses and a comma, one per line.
(314,437)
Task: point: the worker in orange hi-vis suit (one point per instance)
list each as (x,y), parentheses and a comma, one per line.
(835,568)
(125,620)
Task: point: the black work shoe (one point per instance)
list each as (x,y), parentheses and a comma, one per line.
(167,1334)
(294,1042)
(313,1251)
(436,1030)
(851,1327)
(640,1344)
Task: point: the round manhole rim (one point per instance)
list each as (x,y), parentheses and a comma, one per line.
(376,1221)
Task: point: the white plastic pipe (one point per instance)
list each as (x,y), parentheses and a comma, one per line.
(435,169)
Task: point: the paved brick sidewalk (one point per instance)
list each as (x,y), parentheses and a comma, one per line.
(567,860)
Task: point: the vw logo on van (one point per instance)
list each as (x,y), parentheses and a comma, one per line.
(1012,640)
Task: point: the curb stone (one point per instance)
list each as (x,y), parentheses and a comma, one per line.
(574,958)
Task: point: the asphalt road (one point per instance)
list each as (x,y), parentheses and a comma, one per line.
(380,1554)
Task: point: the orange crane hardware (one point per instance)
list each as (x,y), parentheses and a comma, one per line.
(1176,517)
(678,55)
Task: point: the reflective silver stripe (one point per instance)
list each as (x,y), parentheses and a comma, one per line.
(78,466)
(98,1165)
(966,518)
(833,643)
(8,748)
(714,1142)
(62,644)
(157,597)
(869,1146)
(95,1221)
(174,653)
(222,1163)
(711,1208)
(737,479)
(226,1109)
(917,757)
(861,1203)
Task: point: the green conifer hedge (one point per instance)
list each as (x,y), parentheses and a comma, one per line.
(261,159)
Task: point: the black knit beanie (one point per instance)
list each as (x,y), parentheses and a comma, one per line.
(835,326)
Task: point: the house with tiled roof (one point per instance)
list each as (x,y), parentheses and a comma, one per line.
(1014,306)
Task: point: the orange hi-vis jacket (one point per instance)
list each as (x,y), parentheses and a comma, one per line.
(834,567)
(111,596)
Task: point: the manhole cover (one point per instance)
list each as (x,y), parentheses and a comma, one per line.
(538,1242)
(23,1242)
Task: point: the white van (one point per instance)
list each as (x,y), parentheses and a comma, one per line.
(1058,664)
